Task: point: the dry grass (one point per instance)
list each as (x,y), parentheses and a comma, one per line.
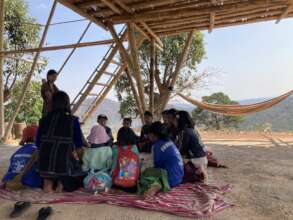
(261,173)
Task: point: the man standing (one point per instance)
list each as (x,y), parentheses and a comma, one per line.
(47,91)
(102,120)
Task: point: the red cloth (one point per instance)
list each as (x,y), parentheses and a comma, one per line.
(188,200)
(30,132)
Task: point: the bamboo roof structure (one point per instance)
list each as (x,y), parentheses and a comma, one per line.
(168,17)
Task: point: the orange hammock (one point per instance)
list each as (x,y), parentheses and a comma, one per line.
(237,109)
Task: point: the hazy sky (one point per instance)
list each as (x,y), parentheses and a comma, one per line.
(249,61)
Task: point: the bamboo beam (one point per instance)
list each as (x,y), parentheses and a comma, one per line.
(127,60)
(285,13)
(24,59)
(2,126)
(152,74)
(82,13)
(74,48)
(220,16)
(245,19)
(112,6)
(178,67)
(135,61)
(156,16)
(221,25)
(212,21)
(30,75)
(148,29)
(61,47)
(134,6)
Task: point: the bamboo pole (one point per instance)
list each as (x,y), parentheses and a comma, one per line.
(61,47)
(2,126)
(24,59)
(222,24)
(148,29)
(30,75)
(82,13)
(156,15)
(220,16)
(285,13)
(212,21)
(112,6)
(74,48)
(152,74)
(127,60)
(135,61)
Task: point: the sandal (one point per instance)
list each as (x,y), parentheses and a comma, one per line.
(44,213)
(19,208)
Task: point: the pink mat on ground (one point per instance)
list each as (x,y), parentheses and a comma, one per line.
(189,200)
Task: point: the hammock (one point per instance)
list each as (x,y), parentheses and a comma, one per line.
(237,109)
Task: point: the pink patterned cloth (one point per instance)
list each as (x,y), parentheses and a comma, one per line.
(188,200)
(98,135)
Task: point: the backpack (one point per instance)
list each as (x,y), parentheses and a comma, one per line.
(126,172)
(97,181)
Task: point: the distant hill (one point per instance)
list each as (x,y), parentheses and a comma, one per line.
(279,117)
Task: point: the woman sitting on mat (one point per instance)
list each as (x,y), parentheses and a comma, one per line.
(190,145)
(59,137)
(168,164)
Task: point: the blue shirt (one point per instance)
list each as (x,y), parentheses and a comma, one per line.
(167,157)
(18,162)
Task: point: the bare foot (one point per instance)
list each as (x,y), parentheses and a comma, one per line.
(48,186)
(151,191)
(59,188)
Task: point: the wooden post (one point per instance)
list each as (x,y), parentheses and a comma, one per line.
(136,66)
(152,74)
(127,60)
(1,69)
(30,75)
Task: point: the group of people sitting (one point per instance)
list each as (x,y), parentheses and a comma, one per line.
(56,157)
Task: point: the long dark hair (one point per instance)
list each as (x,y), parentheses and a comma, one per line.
(160,130)
(184,120)
(61,102)
(126,136)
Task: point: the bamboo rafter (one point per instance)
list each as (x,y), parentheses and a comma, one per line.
(166,17)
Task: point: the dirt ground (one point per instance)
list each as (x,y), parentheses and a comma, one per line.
(260,170)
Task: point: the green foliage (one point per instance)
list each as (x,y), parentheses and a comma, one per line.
(211,120)
(20,33)
(166,64)
(31,110)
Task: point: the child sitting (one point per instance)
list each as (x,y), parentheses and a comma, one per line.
(168,165)
(99,156)
(125,168)
(97,160)
(22,170)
